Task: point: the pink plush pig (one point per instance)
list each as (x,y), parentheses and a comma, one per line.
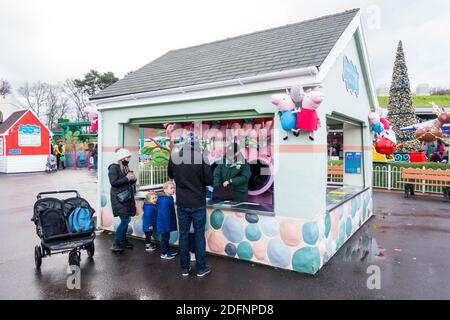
(307,119)
(288,114)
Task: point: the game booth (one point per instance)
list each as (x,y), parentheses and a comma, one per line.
(280,114)
(24,143)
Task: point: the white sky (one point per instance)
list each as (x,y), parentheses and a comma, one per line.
(51,40)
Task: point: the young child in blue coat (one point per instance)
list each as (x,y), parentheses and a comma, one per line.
(149,219)
(166,220)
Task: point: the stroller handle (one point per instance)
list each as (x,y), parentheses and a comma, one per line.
(40,194)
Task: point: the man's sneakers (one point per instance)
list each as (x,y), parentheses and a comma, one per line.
(149,247)
(204,272)
(185,272)
(117,249)
(169,255)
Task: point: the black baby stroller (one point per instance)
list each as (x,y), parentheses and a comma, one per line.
(51,217)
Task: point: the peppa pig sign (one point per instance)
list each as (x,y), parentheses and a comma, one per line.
(350,76)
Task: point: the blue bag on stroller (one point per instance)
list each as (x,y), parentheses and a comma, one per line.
(80,221)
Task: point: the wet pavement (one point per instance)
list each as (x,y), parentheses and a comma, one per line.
(408,239)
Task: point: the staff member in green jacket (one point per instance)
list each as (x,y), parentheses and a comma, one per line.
(234,171)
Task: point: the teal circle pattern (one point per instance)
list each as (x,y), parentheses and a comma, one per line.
(310,232)
(252,232)
(245,251)
(217,218)
(306,260)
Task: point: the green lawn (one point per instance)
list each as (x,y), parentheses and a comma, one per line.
(442,101)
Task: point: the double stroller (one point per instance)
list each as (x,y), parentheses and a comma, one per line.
(58,230)
(51,165)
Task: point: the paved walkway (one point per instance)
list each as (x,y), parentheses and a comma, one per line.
(408,239)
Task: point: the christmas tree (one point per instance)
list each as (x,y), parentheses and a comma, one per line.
(401,110)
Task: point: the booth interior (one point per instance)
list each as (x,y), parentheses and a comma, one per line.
(345,144)
(253,135)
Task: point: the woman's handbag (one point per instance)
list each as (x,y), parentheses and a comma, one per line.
(124,196)
(222,193)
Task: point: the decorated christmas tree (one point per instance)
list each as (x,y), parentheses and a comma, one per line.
(401,110)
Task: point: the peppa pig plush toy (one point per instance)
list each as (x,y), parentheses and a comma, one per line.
(307,119)
(288,115)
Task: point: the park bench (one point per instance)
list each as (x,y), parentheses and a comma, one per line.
(425,177)
(335,172)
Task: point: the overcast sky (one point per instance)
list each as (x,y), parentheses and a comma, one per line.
(51,40)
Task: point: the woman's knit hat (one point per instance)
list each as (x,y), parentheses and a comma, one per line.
(122,154)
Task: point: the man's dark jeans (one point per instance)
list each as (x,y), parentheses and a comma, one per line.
(198,218)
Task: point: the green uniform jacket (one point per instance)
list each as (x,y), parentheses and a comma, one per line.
(239,175)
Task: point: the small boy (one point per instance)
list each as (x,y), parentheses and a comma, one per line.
(166,221)
(149,219)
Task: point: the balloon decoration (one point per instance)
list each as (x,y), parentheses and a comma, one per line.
(93,117)
(433,132)
(378,121)
(385,146)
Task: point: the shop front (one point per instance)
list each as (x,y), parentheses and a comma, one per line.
(293,219)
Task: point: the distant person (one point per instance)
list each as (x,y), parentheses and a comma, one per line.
(123,183)
(166,220)
(60,153)
(192,175)
(94,155)
(440,148)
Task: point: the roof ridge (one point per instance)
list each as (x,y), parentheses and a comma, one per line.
(267,30)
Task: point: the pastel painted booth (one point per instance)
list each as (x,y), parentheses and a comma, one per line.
(239,89)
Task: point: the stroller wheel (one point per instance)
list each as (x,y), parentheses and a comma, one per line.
(90,249)
(37,257)
(74,258)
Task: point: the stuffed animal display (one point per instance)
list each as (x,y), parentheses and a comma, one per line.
(287,108)
(307,118)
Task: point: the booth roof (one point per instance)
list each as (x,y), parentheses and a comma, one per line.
(11,120)
(293,46)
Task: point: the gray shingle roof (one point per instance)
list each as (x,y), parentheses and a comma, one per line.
(9,122)
(293,46)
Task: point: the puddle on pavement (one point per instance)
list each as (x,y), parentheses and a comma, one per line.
(364,248)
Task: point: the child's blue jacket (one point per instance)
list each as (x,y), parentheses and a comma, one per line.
(149,217)
(166,220)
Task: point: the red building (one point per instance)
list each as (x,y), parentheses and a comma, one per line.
(24,143)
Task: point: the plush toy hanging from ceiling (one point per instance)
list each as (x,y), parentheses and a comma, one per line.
(307,119)
(286,107)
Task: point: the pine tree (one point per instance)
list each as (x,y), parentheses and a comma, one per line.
(401,110)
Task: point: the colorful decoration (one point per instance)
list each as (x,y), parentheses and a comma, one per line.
(401,110)
(288,114)
(307,119)
(385,146)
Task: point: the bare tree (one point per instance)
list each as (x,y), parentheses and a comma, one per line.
(77,98)
(35,95)
(57,105)
(5,88)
